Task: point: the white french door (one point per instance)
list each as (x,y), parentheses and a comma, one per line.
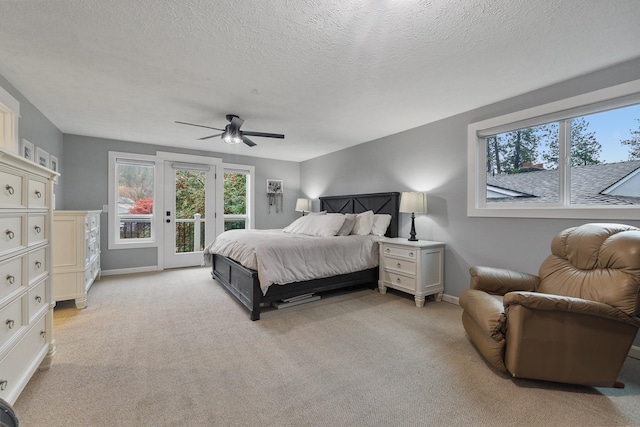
(189,212)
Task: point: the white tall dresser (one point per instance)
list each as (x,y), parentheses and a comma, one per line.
(76,260)
(26,305)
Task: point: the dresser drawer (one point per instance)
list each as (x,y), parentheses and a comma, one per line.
(400,265)
(11,233)
(10,276)
(37,194)
(17,366)
(398,281)
(36,229)
(37,299)
(37,264)
(397,251)
(11,185)
(10,320)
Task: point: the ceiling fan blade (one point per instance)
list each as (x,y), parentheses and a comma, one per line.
(263,134)
(210,136)
(236,122)
(249,142)
(201,126)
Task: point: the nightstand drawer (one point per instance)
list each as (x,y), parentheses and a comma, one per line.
(399,281)
(400,265)
(397,251)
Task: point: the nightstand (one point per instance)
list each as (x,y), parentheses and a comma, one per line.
(412,267)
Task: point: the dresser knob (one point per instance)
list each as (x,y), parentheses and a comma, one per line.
(410,254)
(10,323)
(398,265)
(38,194)
(38,264)
(38,229)
(10,279)
(3,384)
(388,250)
(38,299)
(398,280)
(10,234)
(10,190)
(43,334)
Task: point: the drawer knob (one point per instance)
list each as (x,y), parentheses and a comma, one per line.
(398,265)
(10,323)
(38,194)
(3,384)
(38,229)
(10,190)
(410,254)
(398,280)
(43,334)
(38,299)
(38,264)
(387,250)
(10,234)
(10,279)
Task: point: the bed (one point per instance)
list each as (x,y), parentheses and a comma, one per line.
(243,283)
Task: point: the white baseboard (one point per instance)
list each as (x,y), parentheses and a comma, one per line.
(130,270)
(450,299)
(634,352)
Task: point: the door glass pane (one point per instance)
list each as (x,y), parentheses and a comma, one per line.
(190,210)
(235,201)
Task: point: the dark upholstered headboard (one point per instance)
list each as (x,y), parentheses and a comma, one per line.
(379,203)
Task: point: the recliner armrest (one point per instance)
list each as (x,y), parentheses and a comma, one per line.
(500,281)
(550,302)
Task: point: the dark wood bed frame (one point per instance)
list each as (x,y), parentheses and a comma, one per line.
(243,283)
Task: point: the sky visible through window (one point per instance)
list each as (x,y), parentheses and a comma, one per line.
(611,127)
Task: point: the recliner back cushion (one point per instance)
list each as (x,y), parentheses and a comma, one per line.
(598,262)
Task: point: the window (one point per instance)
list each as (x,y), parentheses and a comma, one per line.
(238,197)
(132,199)
(9,113)
(578,158)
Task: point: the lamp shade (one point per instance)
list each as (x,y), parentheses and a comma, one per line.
(413,202)
(303,205)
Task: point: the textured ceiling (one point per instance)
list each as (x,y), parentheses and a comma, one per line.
(328,74)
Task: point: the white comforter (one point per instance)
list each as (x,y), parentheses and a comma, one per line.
(287,257)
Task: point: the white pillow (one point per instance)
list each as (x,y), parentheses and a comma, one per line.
(364,223)
(317,225)
(295,225)
(380,224)
(347,226)
(317,213)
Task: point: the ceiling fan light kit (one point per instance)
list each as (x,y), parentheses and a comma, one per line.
(231,134)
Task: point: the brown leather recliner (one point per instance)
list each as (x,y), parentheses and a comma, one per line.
(573,323)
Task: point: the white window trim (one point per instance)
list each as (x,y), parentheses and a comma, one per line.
(114,227)
(10,107)
(251,187)
(612,97)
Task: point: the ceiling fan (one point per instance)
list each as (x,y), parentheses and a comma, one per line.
(231,134)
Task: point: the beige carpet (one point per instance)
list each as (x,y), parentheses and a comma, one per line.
(173,349)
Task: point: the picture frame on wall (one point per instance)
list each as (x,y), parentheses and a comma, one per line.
(27,150)
(42,157)
(53,163)
(274,186)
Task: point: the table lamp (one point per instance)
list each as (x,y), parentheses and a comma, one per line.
(413,202)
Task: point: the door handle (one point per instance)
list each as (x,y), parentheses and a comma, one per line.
(168,220)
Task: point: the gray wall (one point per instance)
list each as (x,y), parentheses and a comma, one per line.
(37,129)
(432,158)
(85,180)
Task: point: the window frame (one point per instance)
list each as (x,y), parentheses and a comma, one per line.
(114,241)
(9,115)
(593,102)
(250,215)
